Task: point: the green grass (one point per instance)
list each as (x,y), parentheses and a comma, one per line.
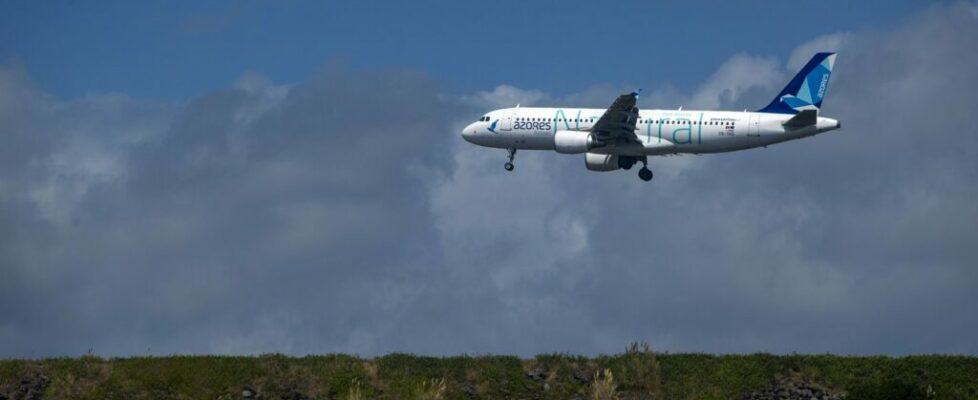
(637,374)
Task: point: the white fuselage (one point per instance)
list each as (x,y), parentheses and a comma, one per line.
(659,132)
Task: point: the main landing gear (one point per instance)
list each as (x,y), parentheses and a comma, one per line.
(645,173)
(509,164)
(626,163)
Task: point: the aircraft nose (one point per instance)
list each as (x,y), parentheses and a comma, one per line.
(469,133)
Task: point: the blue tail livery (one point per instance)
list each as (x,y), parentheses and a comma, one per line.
(807,89)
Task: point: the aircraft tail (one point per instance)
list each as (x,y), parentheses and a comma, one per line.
(807,89)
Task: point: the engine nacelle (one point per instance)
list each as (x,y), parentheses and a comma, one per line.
(601,162)
(574,142)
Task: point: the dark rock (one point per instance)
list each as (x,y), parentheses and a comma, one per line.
(536,374)
(792,388)
(32,387)
(582,376)
(470,390)
(293,394)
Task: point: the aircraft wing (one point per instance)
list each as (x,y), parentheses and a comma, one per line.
(618,122)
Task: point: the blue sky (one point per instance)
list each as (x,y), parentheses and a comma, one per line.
(252,177)
(182,49)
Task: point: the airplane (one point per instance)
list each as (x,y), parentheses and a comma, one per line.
(623,135)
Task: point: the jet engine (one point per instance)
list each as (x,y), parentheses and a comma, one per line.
(575,142)
(601,162)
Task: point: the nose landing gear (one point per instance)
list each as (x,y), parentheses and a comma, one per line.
(509,164)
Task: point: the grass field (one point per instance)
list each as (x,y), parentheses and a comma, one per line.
(635,374)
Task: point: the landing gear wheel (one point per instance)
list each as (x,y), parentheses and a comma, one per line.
(509,166)
(645,174)
(625,162)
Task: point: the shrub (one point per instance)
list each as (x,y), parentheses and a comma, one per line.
(356,392)
(640,370)
(432,390)
(603,387)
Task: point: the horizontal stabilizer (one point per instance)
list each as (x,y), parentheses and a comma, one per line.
(803,118)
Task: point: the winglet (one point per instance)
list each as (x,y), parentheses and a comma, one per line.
(637,92)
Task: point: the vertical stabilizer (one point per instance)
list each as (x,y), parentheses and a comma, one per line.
(807,89)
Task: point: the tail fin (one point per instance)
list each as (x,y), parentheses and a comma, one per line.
(807,89)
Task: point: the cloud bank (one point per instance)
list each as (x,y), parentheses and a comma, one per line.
(345,214)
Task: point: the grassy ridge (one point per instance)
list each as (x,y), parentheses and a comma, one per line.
(637,374)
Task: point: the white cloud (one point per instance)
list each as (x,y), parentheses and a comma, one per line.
(270,218)
(827,43)
(733,78)
(504,96)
